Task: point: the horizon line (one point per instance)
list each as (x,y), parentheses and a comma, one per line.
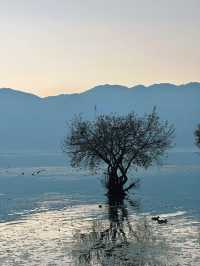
(101,85)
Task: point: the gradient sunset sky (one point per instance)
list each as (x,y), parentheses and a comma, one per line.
(49,47)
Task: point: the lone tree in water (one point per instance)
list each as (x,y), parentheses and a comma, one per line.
(120,142)
(197,136)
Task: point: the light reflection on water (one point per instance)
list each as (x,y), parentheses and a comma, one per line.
(132,240)
(47,219)
(53,238)
(42,238)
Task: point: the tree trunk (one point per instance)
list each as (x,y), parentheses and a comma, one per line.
(115,184)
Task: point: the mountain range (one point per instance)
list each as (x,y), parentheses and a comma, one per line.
(29,122)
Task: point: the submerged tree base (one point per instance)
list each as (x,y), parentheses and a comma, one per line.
(117,194)
(116,189)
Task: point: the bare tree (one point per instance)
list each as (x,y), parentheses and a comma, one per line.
(121,142)
(197,136)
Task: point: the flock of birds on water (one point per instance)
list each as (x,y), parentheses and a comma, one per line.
(35,172)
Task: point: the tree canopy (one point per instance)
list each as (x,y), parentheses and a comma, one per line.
(120,142)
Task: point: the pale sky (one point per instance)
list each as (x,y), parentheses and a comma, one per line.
(49,47)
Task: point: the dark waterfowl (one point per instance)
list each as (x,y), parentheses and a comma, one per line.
(155,218)
(162,221)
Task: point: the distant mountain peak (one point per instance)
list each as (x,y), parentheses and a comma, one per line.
(106,87)
(110,86)
(163,85)
(193,84)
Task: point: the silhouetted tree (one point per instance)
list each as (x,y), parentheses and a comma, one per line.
(120,142)
(197,136)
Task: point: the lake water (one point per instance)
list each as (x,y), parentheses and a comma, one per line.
(50,214)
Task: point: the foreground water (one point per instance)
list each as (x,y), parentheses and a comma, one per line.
(53,215)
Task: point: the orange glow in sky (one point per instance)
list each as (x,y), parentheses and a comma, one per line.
(49,47)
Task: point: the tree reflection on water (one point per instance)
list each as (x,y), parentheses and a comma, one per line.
(121,240)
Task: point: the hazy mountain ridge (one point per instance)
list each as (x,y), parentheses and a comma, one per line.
(32,122)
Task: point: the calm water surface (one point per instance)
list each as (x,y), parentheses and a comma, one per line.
(52,217)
